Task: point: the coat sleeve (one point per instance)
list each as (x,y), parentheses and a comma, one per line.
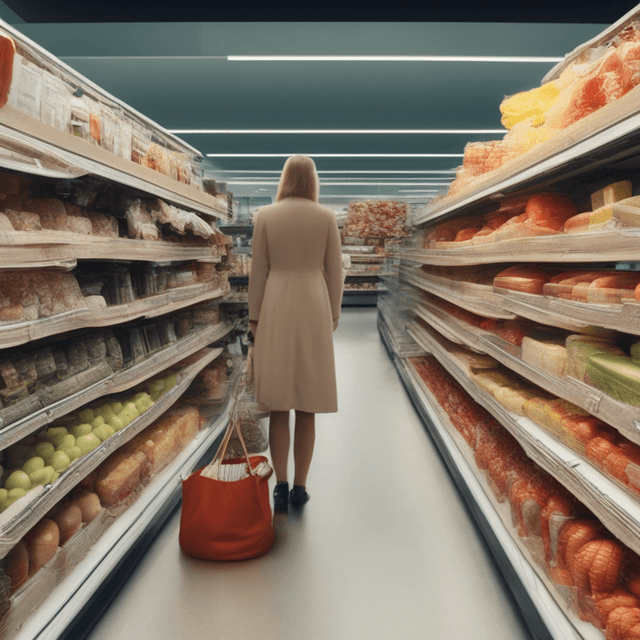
(333,268)
(259,268)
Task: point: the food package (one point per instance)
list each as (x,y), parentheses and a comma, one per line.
(562,284)
(581,347)
(626,213)
(180,220)
(524,278)
(589,221)
(570,424)
(7,53)
(618,376)
(512,331)
(120,477)
(492,379)
(611,193)
(140,223)
(546,354)
(613,289)
(23,221)
(379,219)
(530,104)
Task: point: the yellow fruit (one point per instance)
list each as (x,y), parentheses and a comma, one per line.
(60,461)
(45,450)
(42,476)
(87,415)
(81,429)
(18,480)
(97,421)
(33,464)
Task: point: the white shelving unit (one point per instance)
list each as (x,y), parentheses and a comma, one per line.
(595,147)
(73,586)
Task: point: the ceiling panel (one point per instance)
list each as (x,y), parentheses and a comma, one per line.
(178,75)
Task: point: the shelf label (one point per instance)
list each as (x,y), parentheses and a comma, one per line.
(593,402)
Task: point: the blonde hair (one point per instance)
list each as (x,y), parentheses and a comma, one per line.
(299,179)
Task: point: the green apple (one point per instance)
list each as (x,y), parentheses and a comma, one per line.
(103,432)
(56,434)
(87,415)
(60,461)
(4,496)
(45,450)
(81,429)
(56,475)
(116,423)
(14,494)
(106,411)
(68,441)
(87,443)
(18,480)
(170,381)
(42,476)
(142,404)
(129,413)
(155,389)
(33,464)
(73,452)
(98,421)
(116,407)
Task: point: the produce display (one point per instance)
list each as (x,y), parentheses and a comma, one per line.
(598,77)
(595,574)
(376,219)
(40,458)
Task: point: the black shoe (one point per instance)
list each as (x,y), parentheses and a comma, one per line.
(298,496)
(281,497)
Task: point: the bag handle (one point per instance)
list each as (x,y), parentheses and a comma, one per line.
(234,424)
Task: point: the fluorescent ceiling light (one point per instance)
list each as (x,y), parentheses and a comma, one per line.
(333,171)
(546,59)
(337,155)
(374,196)
(338,131)
(348,184)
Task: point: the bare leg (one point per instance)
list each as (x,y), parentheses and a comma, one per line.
(305,436)
(279,442)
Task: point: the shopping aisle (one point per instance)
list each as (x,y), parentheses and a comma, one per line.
(385,549)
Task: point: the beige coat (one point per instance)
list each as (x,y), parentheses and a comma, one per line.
(295,294)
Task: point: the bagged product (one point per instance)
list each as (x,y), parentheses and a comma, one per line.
(581,347)
(618,376)
(546,353)
(524,278)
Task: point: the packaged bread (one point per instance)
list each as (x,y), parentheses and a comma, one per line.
(51,211)
(613,289)
(523,278)
(512,398)
(581,347)
(23,221)
(120,477)
(562,284)
(140,223)
(618,376)
(589,221)
(546,354)
(42,543)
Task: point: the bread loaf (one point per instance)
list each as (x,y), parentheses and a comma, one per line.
(618,376)
(120,476)
(23,221)
(524,278)
(546,354)
(581,347)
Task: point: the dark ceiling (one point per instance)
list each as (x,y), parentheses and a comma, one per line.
(539,11)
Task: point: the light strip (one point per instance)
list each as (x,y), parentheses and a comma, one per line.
(347,184)
(546,59)
(337,131)
(337,155)
(333,171)
(361,196)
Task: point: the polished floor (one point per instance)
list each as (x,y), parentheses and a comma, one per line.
(384,550)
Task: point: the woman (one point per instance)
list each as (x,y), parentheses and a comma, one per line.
(295,295)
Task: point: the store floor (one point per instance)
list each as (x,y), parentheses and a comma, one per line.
(385,549)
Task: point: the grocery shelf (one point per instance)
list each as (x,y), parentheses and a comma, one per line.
(26,512)
(237,297)
(623,317)
(150,307)
(28,142)
(613,505)
(354,273)
(609,246)
(87,587)
(116,382)
(31,249)
(538,601)
(478,298)
(620,415)
(583,147)
(399,342)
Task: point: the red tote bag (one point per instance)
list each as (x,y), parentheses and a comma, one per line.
(226,514)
